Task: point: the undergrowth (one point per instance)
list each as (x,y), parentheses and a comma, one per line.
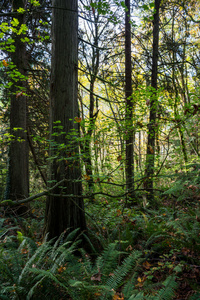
(146,255)
(135,253)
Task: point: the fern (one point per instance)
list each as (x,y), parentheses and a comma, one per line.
(129,287)
(128,264)
(44,275)
(190,178)
(53,271)
(196,296)
(186,231)
(156,236)
(31,273)
(108,261)
(167,292)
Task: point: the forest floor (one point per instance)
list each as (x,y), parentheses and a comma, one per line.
(167,238)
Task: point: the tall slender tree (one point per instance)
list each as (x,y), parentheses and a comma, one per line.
(64,209)
(129,104)
(150,157)
(92,62)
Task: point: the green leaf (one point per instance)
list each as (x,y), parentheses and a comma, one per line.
(21,10)
(15,22)
(35,3)
(152,5)
(20,236)
(25,40)
(145,7)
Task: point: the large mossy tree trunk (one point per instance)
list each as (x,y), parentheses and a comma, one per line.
(18,173)
(65,208)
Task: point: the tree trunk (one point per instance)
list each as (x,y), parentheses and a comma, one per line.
(93,70)
(129,106)
(150,156)
(176,112)
(18,183)
(64,213)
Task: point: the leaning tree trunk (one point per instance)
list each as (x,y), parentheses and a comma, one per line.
(18,175)
(150,155)
(64,209)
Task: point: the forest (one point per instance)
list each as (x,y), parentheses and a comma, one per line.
(100,149)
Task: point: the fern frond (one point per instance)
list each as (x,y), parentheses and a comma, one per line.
(168,291)
(87,263)
(90,244)
(139,296)
(196,296)
(114,281)
(37,258)
(107,262)
(156,236)
(129,287)
(43,274)
(62,255)
(32,290)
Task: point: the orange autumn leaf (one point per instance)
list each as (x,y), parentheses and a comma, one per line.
(24,251)
(141,281)
(117,297)
(78,120)
(61,269)
(146,264)
(5,63)
(87,177)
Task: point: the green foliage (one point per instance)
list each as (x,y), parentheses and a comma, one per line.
(187,184)
(35,2)
(196,296)
(29,269)
(167,292)
(145,250)
(33,271)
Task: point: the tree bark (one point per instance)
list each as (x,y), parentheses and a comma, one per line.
(61,213)
(129,106)
(150,156)
(18,182)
